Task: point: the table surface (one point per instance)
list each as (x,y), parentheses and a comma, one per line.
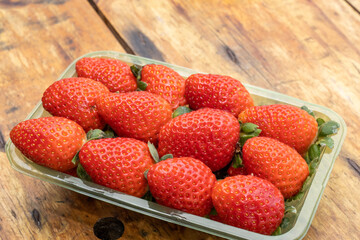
(302,48)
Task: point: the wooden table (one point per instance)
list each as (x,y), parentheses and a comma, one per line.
(305,49)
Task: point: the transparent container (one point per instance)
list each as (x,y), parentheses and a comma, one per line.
(307,205)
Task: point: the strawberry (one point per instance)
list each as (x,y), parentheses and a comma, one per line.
(49,141)
(117,163)
(72,172)
(237,167)
(277,162)
(182,183)
(207,134)
(138,115)
(217,91)
(163,81)
(75,98)
(288,124)
(113,73)
(248,202)
(232,171)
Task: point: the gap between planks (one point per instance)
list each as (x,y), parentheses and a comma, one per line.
(352,6)
(112,29)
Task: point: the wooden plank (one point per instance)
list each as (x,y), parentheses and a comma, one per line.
(354,4)
(306,49)
(38,40)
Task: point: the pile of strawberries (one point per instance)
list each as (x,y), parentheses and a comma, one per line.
(172,136)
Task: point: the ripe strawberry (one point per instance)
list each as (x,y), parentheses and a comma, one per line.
(113,73)
(217,91)
(117,163)
(163,81)
(207,134)
(232,171)
(138,115)
(277,162)
(72,172)
(75,99)
(182,183)
(249,202)
(288,124)
(49,141)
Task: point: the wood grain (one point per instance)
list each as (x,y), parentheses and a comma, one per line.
(306,49)
(38,40)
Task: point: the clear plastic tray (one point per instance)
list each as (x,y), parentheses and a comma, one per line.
(296,230)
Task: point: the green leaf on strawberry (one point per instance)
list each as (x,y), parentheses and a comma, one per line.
(277,232)
(248,127)
(328,128)
(326,141)
(308,110)
(320,121)
(75,159)
(290,209)
(141,85)
(166,156)
(136,71)
(180,111)
(82,173)
(248,130)
(148,196)
(314,152)
(237,161)
(95,134)
(153,152)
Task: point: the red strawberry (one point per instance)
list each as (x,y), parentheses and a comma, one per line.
(277,162)
(207,134)
(72,172)
(288,124)
(232,171)
(182,183)
(165,82)
(113,73)
(75,99)
(217,91)
(237,167)
(138,115)
(249,202)
(117,163)
(49,141)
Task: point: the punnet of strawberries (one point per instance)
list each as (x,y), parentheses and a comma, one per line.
(197,144)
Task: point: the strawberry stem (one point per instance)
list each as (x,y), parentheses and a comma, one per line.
(237,161)
(136,71)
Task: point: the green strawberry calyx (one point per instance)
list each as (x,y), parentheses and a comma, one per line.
(180,111)
(248,130)
(136,71)
(237,161)
(305,108)
(80,171)
(155,155)
(94,134)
